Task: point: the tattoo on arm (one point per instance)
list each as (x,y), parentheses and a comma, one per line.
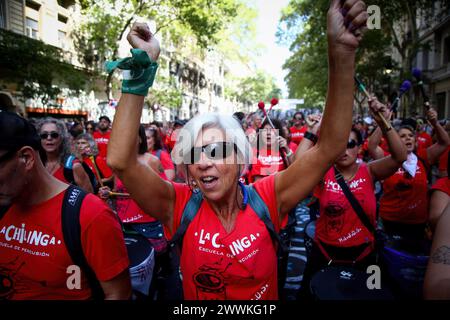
(441,255)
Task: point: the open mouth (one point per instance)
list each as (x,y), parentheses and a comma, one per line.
(209,181)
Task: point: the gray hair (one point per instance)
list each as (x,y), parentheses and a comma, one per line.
(228,124)
(89,139)
(65,146)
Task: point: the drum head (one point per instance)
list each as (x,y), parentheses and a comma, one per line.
(138,247)
(345,283)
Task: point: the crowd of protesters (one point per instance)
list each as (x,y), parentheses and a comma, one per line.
(220,189)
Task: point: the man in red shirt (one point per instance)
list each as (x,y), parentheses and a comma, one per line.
(34,258)
(298,129)
(102,136)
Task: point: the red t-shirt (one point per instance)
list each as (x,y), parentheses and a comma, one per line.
(166,160)
(338,224)
(297,134)
(443,160)
(127,208)
(423,141)
(405,199)
(105,171)
(240,265)
(442,184)
(102,140)
(293,146)
(34,258)
(59,174)
(266,164)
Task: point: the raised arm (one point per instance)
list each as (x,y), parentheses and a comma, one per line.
(153,195)
(383,168)
(435,151)
(313,124)
(294,183)
(373,145)
(437,277)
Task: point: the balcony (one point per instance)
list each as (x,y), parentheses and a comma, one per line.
(440,73)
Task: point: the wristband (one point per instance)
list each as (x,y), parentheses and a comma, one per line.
(290,153)
(138,72)
(310,136)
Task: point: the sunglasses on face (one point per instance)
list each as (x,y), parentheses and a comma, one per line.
(351,144)
(298,119)
(53,135)
(213,151)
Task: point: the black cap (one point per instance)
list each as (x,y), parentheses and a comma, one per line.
(16,132)
(104,117)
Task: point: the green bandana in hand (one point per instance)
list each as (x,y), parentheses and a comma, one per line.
(138,72)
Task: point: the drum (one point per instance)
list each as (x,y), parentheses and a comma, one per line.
(310,231)
(142,262)
(406,264)
(345,283)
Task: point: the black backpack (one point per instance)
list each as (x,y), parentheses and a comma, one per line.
(282,239)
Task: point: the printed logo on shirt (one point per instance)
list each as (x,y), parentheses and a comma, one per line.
(238,246)
(333,186)
(21,235)
(102,140)
(270,160)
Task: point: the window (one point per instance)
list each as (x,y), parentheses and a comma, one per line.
(62,39)
(32,28)
(446,50)
(2,13)
(33,5)
(62,18)
(440,104)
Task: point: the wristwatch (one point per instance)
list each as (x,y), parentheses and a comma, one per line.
(310,136)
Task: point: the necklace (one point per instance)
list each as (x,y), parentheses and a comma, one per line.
(51,166)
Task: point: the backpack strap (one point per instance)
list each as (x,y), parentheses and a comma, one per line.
(71,228)
(68,169)
(189,212)
(353,201)
(257,204)
(158,154)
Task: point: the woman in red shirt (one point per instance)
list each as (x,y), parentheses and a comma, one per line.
(56,145)
(155,147)
(88,152)
(404,203)
(272,153)
(341,236)
(227,251)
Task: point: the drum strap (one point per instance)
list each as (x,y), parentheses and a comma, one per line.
(353,202)
(362,255)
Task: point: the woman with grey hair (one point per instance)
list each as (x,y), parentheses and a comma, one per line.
(227,248)
(58,160)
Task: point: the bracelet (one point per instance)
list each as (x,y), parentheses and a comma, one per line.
(310,136)
(290,153)
(138,72)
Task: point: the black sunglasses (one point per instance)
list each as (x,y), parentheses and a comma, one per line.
(53,135)
(351,144)
(214,151)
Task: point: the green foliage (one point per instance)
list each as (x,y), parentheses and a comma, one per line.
(303,25)
(252,89)
(35,67)
(164,94)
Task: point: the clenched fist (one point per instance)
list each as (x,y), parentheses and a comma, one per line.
(140,37)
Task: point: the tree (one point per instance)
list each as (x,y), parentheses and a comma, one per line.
(36,67)
(303,25)
(250,90)
(106,21)
(164,94)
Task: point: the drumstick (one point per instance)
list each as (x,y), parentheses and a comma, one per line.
(118,194)
(96,171)
(362,88)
